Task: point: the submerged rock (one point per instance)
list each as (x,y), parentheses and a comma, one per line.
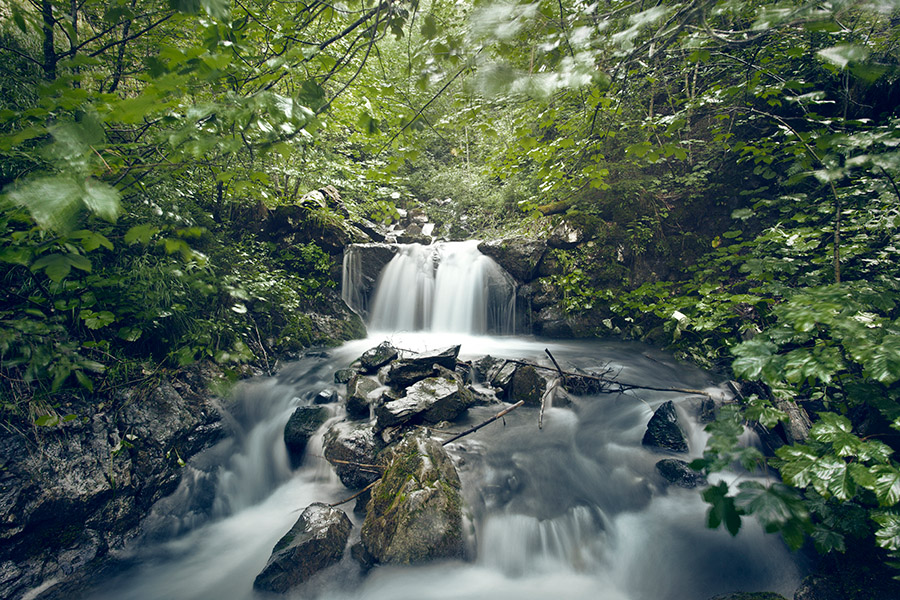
(415,513)
(678,472)
(663,430)
(316,541)
(304,422)
(349,448)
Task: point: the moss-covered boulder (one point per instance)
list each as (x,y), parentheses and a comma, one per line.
(663,431)
(415,513)
(316,541)
(519,256)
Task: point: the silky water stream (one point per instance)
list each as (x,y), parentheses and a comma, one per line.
(575,510)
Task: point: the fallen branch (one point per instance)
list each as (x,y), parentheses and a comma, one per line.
(558,368)
(351,463)
(356,495)
(499,415)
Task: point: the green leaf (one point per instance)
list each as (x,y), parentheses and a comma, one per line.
(84,380)
(753,357)
(47,421)
(101,199)
(99,320)
(887,484)
(722,509)
(141,233)
(130,334)
(56,266)
(889,535)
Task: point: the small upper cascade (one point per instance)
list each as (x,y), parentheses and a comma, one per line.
(443,287)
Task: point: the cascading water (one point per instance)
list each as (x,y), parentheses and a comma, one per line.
(575,510)
(444,287)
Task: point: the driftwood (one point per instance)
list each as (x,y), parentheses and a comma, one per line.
(499,415)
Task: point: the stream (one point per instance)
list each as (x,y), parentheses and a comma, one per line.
(575,510)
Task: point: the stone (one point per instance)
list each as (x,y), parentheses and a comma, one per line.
(302,425)
(353,445)
(551,322)
(678,472)
(527,385)
(343,375)
(431,400)
(415,514)
(358,389)
(663,431)
(817,587)
(565,236)
(406,371)
(519,256)
(316,541)
(482,367)
(326,396)
(375,358)
(501,374)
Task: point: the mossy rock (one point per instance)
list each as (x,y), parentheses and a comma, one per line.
(415,513)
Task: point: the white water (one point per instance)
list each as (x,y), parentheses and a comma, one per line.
(572,511)
(445,287)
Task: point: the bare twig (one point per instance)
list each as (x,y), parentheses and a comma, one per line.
(356,495)
(499,415)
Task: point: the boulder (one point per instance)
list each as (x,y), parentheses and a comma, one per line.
(415,513)
(343,375)
(678,472)
(347,448)
(519,256)
(358,389)
(565,236)
(501,373)
(304,422)
(482,367)
(375,358)
(432,400)
(527,385)
(663,431)
(406,371)
(316,541)
(552,322)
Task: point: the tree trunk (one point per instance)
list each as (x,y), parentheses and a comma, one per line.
(50,57)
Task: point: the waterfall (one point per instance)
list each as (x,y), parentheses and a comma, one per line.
(445,287)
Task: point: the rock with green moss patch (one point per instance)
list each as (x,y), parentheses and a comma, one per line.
(527,385)
(375,358)
(316,541)
(415,513)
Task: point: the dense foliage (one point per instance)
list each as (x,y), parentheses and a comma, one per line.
(735,163)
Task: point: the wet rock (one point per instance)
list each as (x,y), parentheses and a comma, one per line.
(481,368)
(363,263)
(519,256)
(431,400)
(678,472)
(348,447)
(343,375)
(415,514)
(565,236)
(302,425)
(817,587)
(406,371)
(375,358)
(316,541)
(551,322)
(663,431)
(707,411)
(326,396)
(501,374)
(527,385)
(358,390)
